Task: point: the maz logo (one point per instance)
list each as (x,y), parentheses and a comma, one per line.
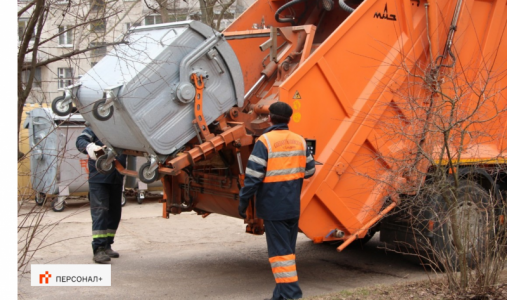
(385,15)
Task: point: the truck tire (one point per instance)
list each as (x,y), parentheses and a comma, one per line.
(471,207)
(359,243)
(356,244)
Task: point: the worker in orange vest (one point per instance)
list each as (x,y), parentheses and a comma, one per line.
(275,171)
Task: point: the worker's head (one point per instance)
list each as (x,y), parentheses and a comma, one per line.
(280,112)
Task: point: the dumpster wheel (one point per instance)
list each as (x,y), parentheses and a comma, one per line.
(146,176)
(100,112)
(102,166)
(60,108)
(40,198)
(140,197)
(57,206)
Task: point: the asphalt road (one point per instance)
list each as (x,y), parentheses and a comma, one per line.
(188,257)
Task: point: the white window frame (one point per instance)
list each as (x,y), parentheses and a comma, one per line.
(129,25)
(94,6)
(20,34)
(98,51)
(92,29)
(65,37)
(64,77)
(154,16)
(36,81)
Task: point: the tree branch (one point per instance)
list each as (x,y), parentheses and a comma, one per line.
(71,28)
(24,9)
(75,52)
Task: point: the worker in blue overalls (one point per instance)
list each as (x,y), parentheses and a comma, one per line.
(105,198)
(275,171)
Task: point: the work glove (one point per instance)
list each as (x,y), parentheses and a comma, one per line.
(91,149)
(243,205)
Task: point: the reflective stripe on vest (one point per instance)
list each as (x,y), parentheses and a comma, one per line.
(284,268)
(286,156)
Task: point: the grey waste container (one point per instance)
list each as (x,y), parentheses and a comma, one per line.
(57,167)
(140,96)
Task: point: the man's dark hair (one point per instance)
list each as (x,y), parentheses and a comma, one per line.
(280,113)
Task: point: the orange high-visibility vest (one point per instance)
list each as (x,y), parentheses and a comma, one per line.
(286,155)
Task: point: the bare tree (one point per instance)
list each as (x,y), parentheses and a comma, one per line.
(65,33)
(85,24)
(208,15)
(212,12)
(443,123)
(168,9)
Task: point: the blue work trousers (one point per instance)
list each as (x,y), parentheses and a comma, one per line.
(281,237)
(105,207)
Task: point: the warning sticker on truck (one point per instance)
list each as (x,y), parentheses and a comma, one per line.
(296,105)
(296,117)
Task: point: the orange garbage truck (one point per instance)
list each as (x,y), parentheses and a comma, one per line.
(378,88)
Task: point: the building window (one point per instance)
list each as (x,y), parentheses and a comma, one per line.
(131,25)
(152,20)
(65,38)
(97,5)
(98,25)
(25,75)
(22,23)
(101,51)
(64,77)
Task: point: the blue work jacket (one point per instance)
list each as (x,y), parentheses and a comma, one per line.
(87,137)
(274,176)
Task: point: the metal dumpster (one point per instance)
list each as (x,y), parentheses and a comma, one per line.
(58,170)
(140,96)
(57,167)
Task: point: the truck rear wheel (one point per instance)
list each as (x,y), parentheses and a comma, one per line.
(471,207)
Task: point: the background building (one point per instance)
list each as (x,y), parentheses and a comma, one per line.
(78,33)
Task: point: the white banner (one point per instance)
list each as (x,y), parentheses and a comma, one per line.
(71,275)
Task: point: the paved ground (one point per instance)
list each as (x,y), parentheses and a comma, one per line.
(188,257)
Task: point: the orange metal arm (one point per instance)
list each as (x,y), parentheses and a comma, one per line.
(199,116)
(124,171)
(202,151)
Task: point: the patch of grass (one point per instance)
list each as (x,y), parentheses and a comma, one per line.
(421,290)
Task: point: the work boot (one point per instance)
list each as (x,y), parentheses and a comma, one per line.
(100,256)
(111,253)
